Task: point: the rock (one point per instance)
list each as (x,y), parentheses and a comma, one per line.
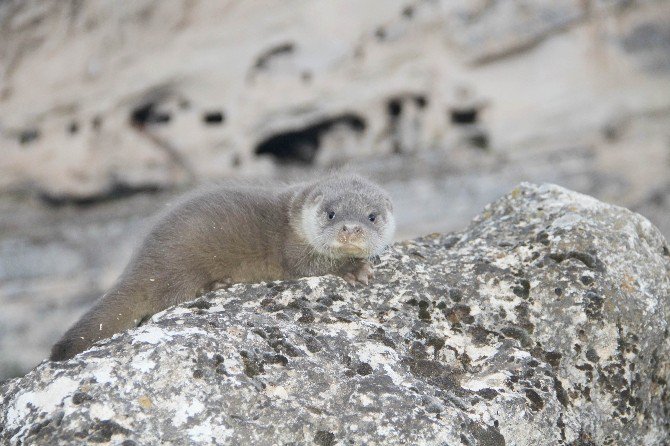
(162,95)
(544,322)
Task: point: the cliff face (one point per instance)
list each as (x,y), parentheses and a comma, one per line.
(102,99)
(544,322)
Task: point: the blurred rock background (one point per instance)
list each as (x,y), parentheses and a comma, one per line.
(108,110)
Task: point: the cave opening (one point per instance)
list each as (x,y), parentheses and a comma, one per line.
(300,146)
(213,118)
(28,136)
(421,101)
(147,114)
(463,116)
(394,108)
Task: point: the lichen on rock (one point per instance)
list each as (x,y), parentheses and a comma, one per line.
(544,322)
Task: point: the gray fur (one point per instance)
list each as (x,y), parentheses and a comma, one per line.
(237,233)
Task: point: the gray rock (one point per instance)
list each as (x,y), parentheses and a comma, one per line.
(574,93)
(545,322)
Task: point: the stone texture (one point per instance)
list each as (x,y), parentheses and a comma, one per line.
(99,100)
(544,322)
(570,92)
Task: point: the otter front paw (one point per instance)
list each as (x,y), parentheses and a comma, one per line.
(361,273)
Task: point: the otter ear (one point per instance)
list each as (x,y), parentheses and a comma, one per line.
(389,204)
(316,200)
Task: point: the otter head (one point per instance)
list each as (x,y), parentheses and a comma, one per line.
(346,216)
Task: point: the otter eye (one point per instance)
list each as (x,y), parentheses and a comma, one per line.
(331,215)
(372,217)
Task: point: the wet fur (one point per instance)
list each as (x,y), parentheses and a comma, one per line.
(230,234)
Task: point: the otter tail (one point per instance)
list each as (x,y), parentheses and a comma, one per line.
(114,312)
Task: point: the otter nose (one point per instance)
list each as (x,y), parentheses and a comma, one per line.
(350,233)
(352,229)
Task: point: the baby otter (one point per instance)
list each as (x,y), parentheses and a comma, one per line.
(240,233)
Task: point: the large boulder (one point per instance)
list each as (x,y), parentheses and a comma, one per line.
(545,322)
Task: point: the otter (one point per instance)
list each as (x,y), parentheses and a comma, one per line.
(242,233)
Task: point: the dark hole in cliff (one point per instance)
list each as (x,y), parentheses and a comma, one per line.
(394,108)
(116,192)
(28,136)
(73,128)
(479,139)
(463,116)
(408,12)
(96,123)
(421,101)
(141,115)
(147,114)
(213,118)
(380,33)
(263,60)
(301,145)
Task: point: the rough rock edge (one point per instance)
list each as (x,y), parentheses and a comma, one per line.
(544,322)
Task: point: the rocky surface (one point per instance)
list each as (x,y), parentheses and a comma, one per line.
(106,112)
(544,322)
